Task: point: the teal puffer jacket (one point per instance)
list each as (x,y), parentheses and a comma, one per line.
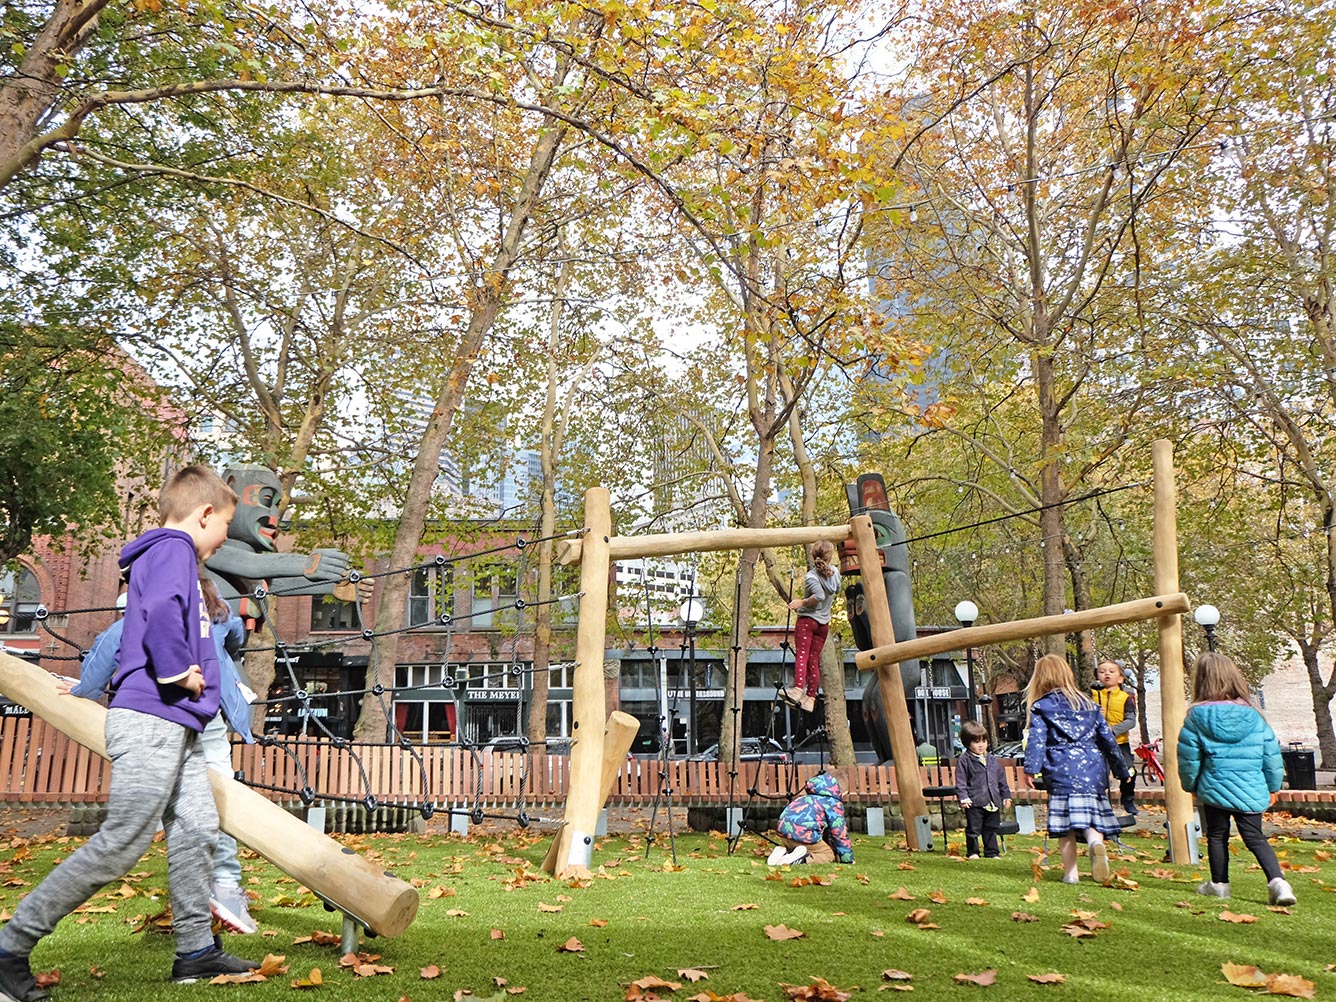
(1229,757)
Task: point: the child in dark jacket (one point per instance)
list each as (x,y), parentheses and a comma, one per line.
(1069,741)
(812,826)
(1229,757)
(983,790)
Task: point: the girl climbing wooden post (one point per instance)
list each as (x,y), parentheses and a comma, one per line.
(813,625)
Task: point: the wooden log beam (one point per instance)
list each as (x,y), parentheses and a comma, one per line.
(889,683)
(575,840)
(571,551)
(382,902)
(1021,629)
(1177,801)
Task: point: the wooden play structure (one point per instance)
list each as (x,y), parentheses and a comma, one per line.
(593,755)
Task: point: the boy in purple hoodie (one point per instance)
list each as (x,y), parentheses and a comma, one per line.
(163,693)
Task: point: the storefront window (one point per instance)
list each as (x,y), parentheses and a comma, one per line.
(19,598)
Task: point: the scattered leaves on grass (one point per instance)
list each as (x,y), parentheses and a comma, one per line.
(709,996)
(893,975)
(983,979)
(1237,918)
(459,913)
(919,915)
(598,923)
(441,892)
(649,986)
(45,979)
(1249,976)
(1160,873)
(1037,870)
(782,932)
(977,902)
(901,894)
(905,866)
(319,937)
(1024,917)
(1116,905)
(1083,929)
(820,990)
(498,934)
(313,980)
(692,974)
(938,897)
(1031,896)
(545,907)
(815,880)
(745,908)
(1051,978)
(571,945)
(430,972)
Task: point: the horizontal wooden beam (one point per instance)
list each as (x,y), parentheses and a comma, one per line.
(1022,629)
(666,544)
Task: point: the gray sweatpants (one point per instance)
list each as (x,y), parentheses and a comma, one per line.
(158,772)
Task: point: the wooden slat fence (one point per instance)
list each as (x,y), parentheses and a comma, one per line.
(39,764)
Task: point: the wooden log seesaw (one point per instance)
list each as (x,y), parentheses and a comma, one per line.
(380,902)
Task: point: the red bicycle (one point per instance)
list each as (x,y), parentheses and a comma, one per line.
(1151,770)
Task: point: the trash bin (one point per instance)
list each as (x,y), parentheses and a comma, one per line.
(1300,767)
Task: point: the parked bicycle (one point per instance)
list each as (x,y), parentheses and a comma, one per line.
(1151,769)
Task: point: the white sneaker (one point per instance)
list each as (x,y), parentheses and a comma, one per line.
(1213,890)
(1280,892)
(1099,862)
(228,905)
(776,854)
(796,855)
(1071,878)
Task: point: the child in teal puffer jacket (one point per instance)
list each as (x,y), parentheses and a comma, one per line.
(1229,757)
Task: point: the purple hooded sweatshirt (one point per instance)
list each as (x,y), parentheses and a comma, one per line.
(167,630)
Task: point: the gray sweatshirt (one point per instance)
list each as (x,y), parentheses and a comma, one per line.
(824,591)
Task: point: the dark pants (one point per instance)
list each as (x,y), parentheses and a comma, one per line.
(1127,789)
(1216,822)
(980,822)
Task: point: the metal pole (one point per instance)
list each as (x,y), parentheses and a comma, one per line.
(969,669)
(691,689)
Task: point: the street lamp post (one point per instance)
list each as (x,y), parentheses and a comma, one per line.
(966,613)
(1207,616)
(691,613)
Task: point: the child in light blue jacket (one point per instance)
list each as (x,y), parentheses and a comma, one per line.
(1229,757)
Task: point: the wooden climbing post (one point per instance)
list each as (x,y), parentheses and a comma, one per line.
(892,686)
(1177,801)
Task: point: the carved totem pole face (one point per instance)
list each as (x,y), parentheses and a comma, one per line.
(258,494)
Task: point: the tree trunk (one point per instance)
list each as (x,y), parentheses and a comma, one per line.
(1050,496)
(488,294)
(549,444)
(1322,694)
(1086,654)
(260,671)
(28,95)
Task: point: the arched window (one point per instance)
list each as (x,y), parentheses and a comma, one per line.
(19,597)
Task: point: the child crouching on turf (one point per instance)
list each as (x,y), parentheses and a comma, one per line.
(812,826)
(165,690)
(1069,741)
(983,790)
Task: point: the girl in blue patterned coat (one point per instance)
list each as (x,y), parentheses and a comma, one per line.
(1229,757)
(813,826)
(1069,742)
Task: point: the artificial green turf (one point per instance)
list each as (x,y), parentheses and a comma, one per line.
(661,919)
